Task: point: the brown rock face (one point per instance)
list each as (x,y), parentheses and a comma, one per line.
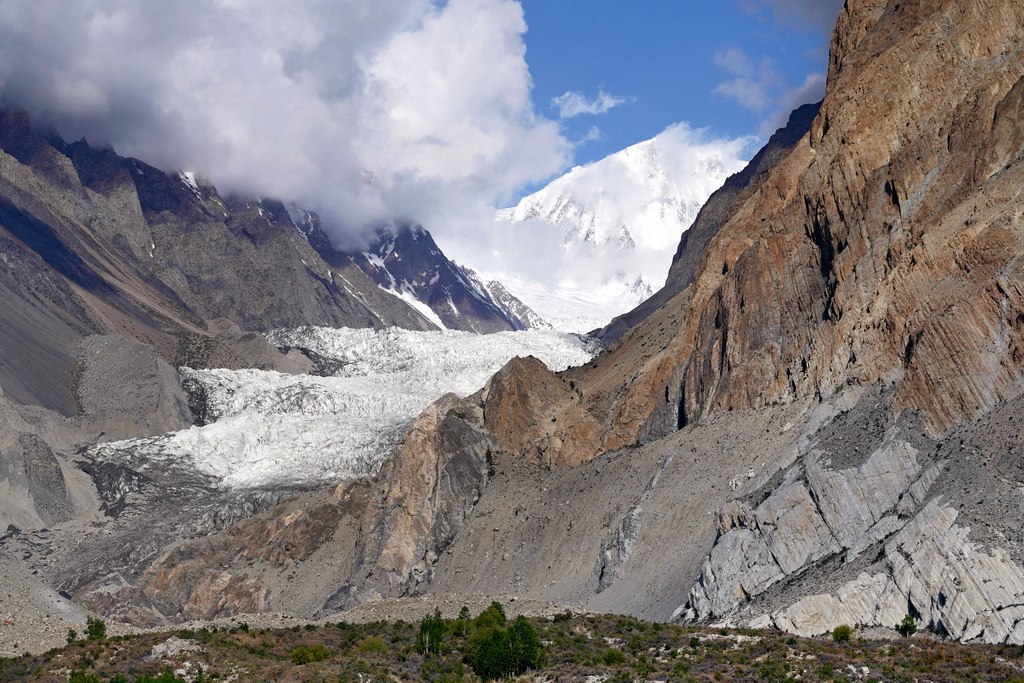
(531,411)
(885,247)
(425,492)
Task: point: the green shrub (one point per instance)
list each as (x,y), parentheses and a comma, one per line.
(842,633)
(613,656)
(907,627)
(491,617)
(307,655)
(498,652)
(72,635)
(95,629)
(372,644)
(526,644)
(491,653)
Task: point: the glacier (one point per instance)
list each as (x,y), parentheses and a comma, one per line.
(274,430)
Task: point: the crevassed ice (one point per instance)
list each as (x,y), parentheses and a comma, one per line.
(274,429)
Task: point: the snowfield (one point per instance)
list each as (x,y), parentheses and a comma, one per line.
(278,430)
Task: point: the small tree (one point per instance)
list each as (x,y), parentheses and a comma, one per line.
(460,626)
(842,633)
(95,629)
(907,627)
(497,652)
(526,645)
(491,617)
(492,654)
(431,632)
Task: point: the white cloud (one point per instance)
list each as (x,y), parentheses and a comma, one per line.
(752,85)
(763,89)
(593,134)
(811,90)
(571,104)
(362,109)
(815,15)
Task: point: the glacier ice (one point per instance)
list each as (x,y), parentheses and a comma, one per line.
(280,430)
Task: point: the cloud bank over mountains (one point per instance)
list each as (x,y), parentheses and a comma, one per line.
(364,110)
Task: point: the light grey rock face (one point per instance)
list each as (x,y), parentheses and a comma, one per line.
(123,388)
(823,513)
(32,483)
(926,565)
(932,569)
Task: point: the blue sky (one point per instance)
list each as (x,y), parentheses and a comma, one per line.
(671,61)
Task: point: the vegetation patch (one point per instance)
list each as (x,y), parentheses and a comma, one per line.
(489,646)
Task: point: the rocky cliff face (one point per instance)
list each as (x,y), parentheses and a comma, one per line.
(712,216)
(885,244)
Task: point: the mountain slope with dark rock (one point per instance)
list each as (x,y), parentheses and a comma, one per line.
(96,243)
(405,260)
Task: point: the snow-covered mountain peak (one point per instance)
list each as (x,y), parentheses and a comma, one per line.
(639,197)
(621,218)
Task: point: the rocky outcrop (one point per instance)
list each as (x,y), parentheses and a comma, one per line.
(815,513)
(906,530)
(426,491)
(529,411)
(405,260)
(34,488)
(123,388)
(932,572)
